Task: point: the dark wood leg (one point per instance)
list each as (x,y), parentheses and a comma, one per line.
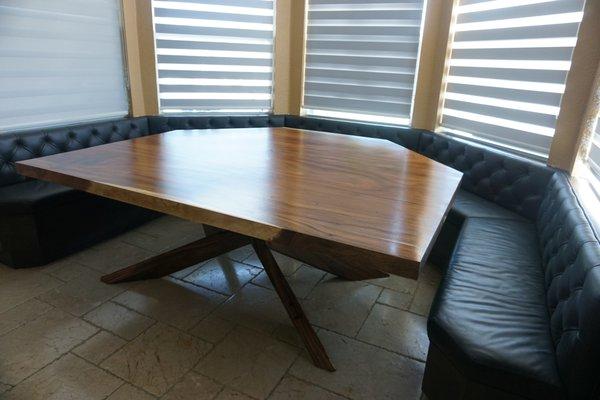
(309,337)
(182,257)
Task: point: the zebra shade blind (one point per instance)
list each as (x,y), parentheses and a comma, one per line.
(361,58)
(60,62)
(508,68)
(214,55)
(594,158)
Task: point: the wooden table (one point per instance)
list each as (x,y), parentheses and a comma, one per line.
(356,207)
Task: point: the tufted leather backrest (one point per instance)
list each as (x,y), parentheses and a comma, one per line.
(165,124)
(405,137)
(44,142)
(571,259)
(509,181)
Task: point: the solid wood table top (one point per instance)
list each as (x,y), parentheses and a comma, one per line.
(364,193)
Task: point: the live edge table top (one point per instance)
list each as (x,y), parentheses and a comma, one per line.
(368,195)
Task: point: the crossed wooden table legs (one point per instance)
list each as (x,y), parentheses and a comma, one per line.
(219,242)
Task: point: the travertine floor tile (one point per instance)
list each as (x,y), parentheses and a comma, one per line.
(430,274)
(256,308)
(194,386)
(186,271)
(68,378)
(395,299)
(212,329)
(119,320)
(240,254)
(65,269)
(157,359)
(287,264)
(291,388)
(423,298)
(340,305)
(171,301)
(363,372)
(4,387)
(111,256)
(230,394)
(97,348)
(128,392)
(82,294)
(223,275)
(18,286)
(169,225)
(396,283)
(35,336)
(429,280)
(396,330)
(302,281)
(22,314)
(154,243)
(37,343)
(288,334)
(248,361)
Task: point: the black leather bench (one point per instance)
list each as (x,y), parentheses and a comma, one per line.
(517,315)
(41,221)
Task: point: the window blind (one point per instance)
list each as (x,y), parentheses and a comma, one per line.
(60,62)
(594,158)
(361,58)
(508,68)
(214,55)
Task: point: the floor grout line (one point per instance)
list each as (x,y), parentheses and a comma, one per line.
(368,314)
(125,382)
(319,386)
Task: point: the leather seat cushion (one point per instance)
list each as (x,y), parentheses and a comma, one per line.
(490,315)
(34,195)
(469,205)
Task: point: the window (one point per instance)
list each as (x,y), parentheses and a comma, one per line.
(214,55)
(361,59)
(508,69)
(594,157)
(60,62)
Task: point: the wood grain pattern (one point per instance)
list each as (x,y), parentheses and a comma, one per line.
(346,262)
(266,183)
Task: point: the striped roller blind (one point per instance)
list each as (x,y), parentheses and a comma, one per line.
(595,152)
(214,55)
(60,62)
(507,70)
(361,58)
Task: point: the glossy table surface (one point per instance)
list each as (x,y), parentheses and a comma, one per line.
(364,193)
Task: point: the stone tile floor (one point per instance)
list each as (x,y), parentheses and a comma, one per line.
(213,331)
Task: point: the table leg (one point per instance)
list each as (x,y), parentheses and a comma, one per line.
(309,337)
(180,258)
